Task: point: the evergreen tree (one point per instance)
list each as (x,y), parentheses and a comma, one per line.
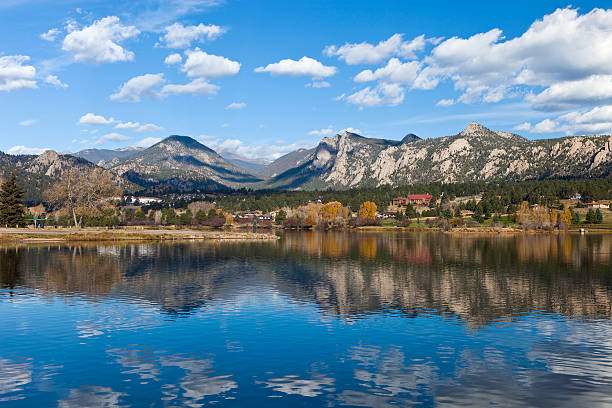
(598,217)
(12,212)
(591,217)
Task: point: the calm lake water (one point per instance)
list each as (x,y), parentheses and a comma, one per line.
(315,319)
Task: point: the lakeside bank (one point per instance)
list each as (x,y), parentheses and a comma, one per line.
(103,234)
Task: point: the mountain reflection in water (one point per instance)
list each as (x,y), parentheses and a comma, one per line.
(336,318)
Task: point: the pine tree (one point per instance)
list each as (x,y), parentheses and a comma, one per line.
(12,212)
(598,217)
(591,217)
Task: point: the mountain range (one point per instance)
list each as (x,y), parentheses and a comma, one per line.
(342,161)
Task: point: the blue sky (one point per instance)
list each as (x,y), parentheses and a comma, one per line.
(265,77)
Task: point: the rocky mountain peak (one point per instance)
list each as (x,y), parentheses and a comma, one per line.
(410,137)
(47,157)
(474,129)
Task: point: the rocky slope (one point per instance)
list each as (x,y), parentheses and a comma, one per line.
(36,173)
(103,156)
(181,163)
(475,154)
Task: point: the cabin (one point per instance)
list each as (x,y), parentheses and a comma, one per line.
(599,204)
(414,199)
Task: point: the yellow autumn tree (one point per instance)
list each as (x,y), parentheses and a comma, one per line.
(566,215)
(367,210)
(524,215)
(331,210)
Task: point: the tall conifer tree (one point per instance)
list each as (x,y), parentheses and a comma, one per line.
(11,209)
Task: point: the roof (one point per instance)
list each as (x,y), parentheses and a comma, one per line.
(420,196)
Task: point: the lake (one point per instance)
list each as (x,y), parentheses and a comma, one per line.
(313,319)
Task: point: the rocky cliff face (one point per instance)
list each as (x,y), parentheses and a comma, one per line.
(475,154)
(181,163)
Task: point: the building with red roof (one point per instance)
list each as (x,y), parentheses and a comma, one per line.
(414,199)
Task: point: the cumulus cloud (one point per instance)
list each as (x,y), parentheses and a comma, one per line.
(14,74)
(318,84)
(100,42)
(27,150)
(201,64)
(567,54)
(180,36)
(235,106)
(55,81)
(138,87)
(269,151)
(350,130)
(383,94)
(322,132)
(198,86)
(148,127)
(112,137)
(446,102)
(147,142)
(366,53)
(95,120)
(28,122)
(173,59)
(50,35)
(137,127)
(545,126)
(305,66)
(523,127)
(395,71)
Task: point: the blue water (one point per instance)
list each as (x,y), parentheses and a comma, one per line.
(316,319)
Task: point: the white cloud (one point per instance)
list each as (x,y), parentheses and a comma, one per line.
(147,141)
(14,74)
(322,132)
(305,66)
(545,126)
(100,42)
(112,137)
(137,127)
(180,36)
(27,150)
(50,35)
(127,125)
(350,130)
(567,54)
(383,94)
(523,127)
(269,151)
(28,122)
(148,127)
(198,86)
(446,102)
(366,53)
(173,59)
(595,89)
(318,84)
(55,81)
(225,125)
(236,105)
(201,64)
(95,120)
(138,87)
(395,71)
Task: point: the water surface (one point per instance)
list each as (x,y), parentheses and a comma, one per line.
(315,319)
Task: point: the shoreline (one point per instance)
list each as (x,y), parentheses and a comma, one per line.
(28,235)
(59,235)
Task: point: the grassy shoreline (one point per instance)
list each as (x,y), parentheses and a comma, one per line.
(28,235)
(101,234)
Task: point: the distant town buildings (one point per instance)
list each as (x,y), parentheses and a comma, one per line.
(414,199)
